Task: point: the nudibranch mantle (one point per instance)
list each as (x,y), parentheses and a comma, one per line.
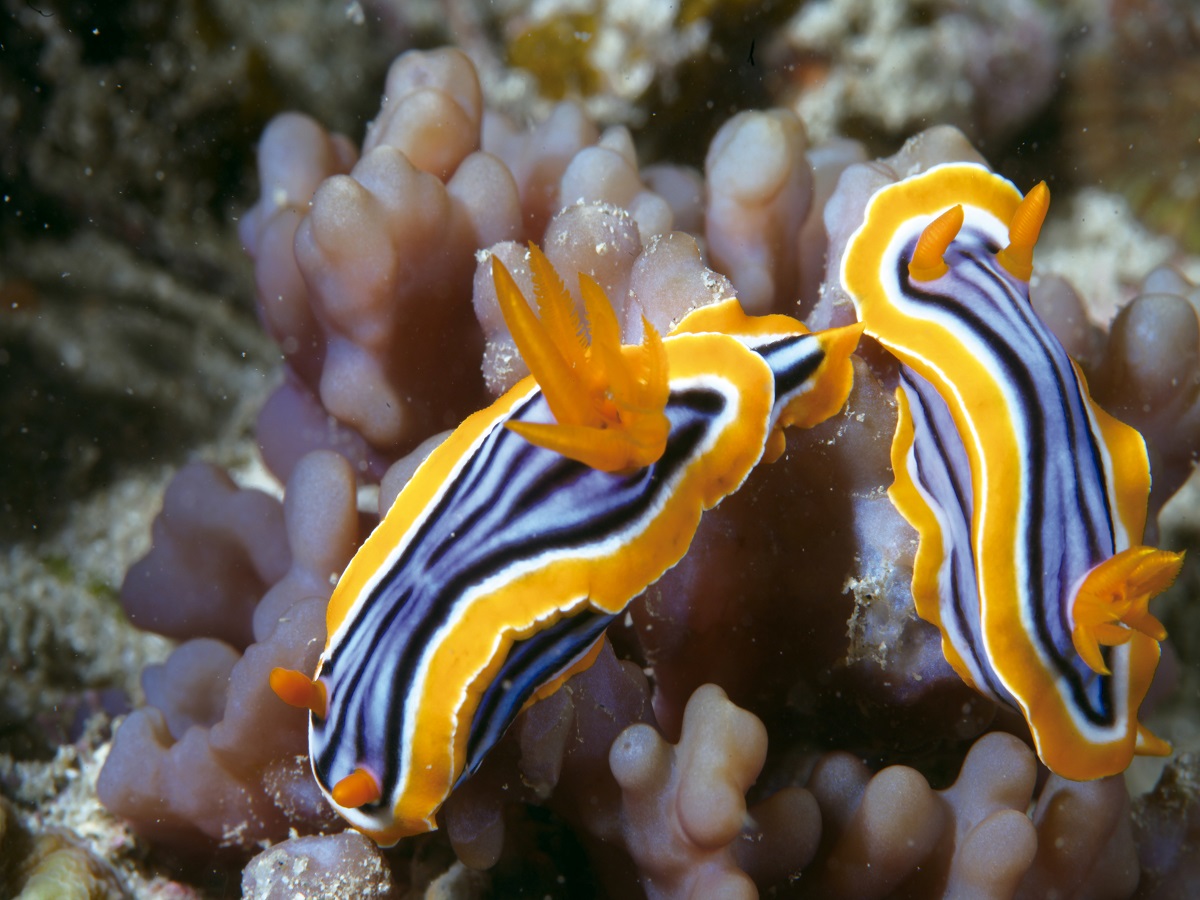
(1028,499)
(500,564)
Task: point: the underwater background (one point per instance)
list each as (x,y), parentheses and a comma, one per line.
(185,328)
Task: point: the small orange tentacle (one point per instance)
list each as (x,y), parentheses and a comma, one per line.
(927,262)
(566,397)
(556,309)
(1023,232)
(297,689)
(357,789)
(658,390)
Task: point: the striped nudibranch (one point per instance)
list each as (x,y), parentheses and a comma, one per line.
(1028,499)
(517,541)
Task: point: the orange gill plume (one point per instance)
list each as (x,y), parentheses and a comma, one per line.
(608,401)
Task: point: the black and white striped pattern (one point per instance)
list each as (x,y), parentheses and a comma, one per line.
(509,507)
(1061,493)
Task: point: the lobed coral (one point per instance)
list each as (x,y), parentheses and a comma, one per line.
(684,807)
(700,762)
(381,256)
(212,758)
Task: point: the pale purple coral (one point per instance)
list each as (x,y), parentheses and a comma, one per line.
(295,155)
(360,274)
(759,191)
(431,111)
(538,156)
(794,600)
(608,173)
(1166,824)
(215,753)
(828,161)
(1084,841)
(683,807)
(668,280)
(1149,376)
(216,550)
(381,257)
(796,595)
(836,830)
(556,754)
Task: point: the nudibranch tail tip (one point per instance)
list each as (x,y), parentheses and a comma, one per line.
(541,352)
(556,310)
(1150,744)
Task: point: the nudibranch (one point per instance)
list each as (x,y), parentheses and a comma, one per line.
(1028,499)
(517,541)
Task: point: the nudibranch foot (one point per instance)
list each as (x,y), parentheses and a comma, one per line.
(924,460)
(581,664)
(608,401)
(1112,601)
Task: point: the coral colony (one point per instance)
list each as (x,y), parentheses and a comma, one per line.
(733,605)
